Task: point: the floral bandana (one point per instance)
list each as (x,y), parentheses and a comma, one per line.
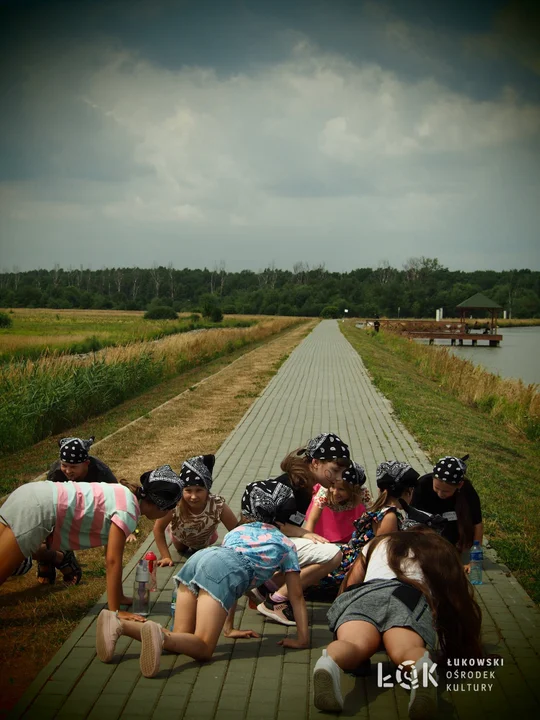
(198,471)
(268,501)
(74,451)
(327,446)
(450,469)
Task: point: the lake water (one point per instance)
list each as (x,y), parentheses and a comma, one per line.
(518,356)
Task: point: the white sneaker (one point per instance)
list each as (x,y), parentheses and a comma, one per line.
(423,701)
(152,639)
(327,684)
(108,630)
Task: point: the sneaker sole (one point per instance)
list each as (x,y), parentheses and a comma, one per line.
(274,616)
(104,652)
(150,659)
(324,694)
(424,706)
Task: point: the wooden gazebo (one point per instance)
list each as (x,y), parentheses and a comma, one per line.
(480,302)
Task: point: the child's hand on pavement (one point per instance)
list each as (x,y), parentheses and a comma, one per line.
(165,562)
(241,634)
(292,643)
(123,615)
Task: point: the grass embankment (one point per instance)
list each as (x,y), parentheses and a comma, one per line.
(35,333)
(40,398)
(439,399)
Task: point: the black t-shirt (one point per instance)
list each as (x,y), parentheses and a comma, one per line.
(302,498)
(425,498)
(97,472)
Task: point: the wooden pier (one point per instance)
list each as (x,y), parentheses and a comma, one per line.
(459,338)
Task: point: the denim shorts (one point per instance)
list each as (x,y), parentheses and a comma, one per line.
(222,572)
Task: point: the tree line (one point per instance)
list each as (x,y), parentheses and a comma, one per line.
(416,289)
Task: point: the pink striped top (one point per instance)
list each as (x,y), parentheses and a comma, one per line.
(85,511)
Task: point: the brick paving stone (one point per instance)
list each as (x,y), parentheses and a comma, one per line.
(322,386)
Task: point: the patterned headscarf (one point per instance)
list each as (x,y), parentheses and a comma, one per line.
(198,471)
(327,446)
(268,501)
(395,476)
(450,469)
(74,451)
(162,487)
(355,475)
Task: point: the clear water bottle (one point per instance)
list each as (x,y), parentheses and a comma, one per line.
(151,559)
(173,606)
(476,559)
(141,589)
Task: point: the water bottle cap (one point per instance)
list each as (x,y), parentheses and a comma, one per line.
(141,573)
(150,556)
(476,543)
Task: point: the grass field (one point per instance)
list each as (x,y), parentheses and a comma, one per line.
(39,398)
(503,462)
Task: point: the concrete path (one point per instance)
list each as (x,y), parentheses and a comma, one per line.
(323,386)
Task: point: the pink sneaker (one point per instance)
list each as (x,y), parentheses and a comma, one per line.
(152,639)
(108,630)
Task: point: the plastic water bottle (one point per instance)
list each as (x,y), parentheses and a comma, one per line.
(141,592)
(173,605)
(151,559)
(477,556)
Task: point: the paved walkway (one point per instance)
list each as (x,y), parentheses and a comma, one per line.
(322,386)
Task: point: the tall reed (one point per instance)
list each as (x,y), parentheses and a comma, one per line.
(39,398)
(506,400)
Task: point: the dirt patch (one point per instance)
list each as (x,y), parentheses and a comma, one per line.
(36,620)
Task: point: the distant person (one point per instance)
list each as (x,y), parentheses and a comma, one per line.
(193,523)
(73,465)
(377,325)
(448,492)
(76,516)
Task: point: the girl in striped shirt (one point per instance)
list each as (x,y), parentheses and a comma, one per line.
(76,516)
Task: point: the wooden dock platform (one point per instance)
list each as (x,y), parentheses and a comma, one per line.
(459,338)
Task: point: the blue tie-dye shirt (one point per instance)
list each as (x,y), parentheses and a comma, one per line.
(266,548)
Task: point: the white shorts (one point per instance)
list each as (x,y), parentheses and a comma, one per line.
(312,553)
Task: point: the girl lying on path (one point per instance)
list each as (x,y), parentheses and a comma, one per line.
(192,524)
(322,461)
(213,579)
(333,510)
(75,516)
(395,481)
(408,584)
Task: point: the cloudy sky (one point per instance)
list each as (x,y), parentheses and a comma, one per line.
(253,132)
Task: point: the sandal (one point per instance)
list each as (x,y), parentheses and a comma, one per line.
(70,568)
(46,574)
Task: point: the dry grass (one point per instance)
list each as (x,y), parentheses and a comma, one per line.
(37,620)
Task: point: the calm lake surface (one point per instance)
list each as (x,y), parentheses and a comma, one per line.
(518,356)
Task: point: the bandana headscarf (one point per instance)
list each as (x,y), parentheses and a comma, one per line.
(327,446)
(396,476)
(355,475)
(74,451)
(450,469)
(162,487)
(268,501)
(198,471)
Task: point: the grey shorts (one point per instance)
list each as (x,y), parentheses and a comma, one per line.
(224,573)
(30,513)
(385,604)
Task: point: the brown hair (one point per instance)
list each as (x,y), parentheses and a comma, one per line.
(133,487)
(384,498)
(298,468)
(457,615)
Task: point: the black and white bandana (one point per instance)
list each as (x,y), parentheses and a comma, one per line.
(198,471)
(327,446)
(74,451)
(355,475)
(268,501)
(450,469)
(162,487)
(392,475)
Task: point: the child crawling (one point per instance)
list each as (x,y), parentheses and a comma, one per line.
(213,579)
